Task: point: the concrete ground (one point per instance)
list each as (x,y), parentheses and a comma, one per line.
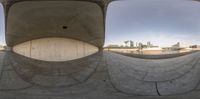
(100,76)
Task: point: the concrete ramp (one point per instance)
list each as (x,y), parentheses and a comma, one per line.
(154,77)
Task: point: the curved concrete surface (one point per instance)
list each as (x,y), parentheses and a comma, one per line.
(80,20)
(100,74)
(49,74)
(55,49)
(154,70)
(154,77)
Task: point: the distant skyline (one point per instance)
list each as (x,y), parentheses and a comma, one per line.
(163,22)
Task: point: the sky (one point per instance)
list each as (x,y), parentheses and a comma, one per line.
(162,22)
(2,25)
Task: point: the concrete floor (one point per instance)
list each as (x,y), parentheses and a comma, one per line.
(100,76)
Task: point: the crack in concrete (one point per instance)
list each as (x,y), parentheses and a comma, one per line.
(157,89)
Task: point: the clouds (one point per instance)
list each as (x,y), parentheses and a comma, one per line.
(172,19)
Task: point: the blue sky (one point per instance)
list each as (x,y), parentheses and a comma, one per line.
(163,22)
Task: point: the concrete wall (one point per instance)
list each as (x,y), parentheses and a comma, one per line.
(55,49)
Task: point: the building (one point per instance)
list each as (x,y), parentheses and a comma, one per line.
(149,44)
(131,44)
(195,46)
(177,45)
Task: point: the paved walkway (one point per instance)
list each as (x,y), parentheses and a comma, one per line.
(154,77)
(100,76)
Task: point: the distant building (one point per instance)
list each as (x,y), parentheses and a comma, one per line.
(140,45)
(177,45)
(195,46)
(131,44)
(174,47)
(111,46)
(149,44)
(136,44)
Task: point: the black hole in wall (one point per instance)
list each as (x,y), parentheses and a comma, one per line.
(64,27)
